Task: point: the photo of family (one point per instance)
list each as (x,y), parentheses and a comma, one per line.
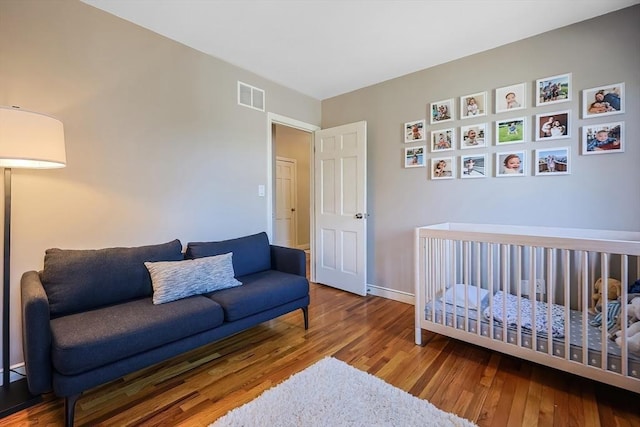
(442,168)
(442,111)
(414,157)
(414,131)
(552,125)
(443,140)
(473,136)
(551,90)
(603,138)
(511,97)
(603,100)
(510,163)
(473,166)
(553,161)
(511,131)
(473,105)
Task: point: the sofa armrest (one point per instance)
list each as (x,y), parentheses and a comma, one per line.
(36,333)
(288,260)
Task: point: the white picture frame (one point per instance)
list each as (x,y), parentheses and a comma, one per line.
(441,111)
(553,89)
(473,105)
(443,168)
(552,161)
(604,100)
(510,98)
(553,125)
(511,163)
(443,140)
(415,131)
(473,166)
(414,157)
(511,131)
(612,141)
(473,136)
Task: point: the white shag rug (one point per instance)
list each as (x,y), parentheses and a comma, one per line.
(332,393)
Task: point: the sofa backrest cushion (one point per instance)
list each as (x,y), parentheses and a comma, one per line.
(81,280)
(251,254)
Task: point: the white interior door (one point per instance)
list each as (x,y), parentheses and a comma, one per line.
(340,207)
(285,224)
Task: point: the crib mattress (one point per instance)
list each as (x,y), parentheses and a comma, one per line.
(594,340)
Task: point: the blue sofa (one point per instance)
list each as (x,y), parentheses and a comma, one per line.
(89,316)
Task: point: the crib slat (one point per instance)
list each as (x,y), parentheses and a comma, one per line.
(567,301)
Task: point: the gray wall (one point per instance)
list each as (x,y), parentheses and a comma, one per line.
(154,136)
(602,191)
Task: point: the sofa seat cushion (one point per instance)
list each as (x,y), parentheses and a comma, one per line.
(251,254)
(259,292)
(84,341)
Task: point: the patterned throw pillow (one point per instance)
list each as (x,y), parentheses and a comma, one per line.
(174,280)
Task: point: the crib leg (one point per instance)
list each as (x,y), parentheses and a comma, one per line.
(419,336)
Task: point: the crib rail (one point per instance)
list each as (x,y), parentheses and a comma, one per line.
(527,291)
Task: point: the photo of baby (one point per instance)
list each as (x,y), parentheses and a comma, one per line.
(442,168)
(603,138)
(473,136)
(441,111)
(442,140)
(414,131)
(510,98)
(510,163)
(473,166)
(473,105)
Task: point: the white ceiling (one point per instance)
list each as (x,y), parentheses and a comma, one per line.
(324,48)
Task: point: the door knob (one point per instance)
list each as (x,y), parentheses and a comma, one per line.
(360,215)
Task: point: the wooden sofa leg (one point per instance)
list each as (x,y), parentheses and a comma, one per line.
(70,409)
(305,313)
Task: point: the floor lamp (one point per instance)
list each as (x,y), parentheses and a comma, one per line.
(35,141)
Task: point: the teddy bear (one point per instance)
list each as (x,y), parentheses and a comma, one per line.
(633,331)
(614,290)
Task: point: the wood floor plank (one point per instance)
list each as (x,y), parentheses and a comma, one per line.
(370,333)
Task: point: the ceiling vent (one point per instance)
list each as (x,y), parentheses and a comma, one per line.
(250,96)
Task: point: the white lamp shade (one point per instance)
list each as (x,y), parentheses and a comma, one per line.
(30,140)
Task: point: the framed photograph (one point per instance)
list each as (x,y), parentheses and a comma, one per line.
(554,125)
(415,131)
(511,163)
(554,89)
(511,131)
(553,161)
(603,100)
(603,138)
(414,157)
(510,98)
(442,168)
(473,166)
(473,105)
(443,140)
(442,111)
(473,136)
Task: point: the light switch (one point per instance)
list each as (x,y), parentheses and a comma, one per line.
(261,190)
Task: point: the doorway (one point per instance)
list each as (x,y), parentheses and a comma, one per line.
(291,204)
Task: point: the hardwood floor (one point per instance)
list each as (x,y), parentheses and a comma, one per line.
(370,333)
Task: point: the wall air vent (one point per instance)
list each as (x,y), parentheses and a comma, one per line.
(250,96)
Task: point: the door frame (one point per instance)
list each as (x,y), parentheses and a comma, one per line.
(273,118)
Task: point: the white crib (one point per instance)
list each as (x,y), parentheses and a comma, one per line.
(526,291)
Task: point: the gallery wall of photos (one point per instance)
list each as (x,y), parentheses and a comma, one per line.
(456,146)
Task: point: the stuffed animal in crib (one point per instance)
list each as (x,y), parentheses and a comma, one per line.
(614,290)
(633,331)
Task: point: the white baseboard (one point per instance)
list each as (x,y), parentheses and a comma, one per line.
(13,376)
(391,294)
